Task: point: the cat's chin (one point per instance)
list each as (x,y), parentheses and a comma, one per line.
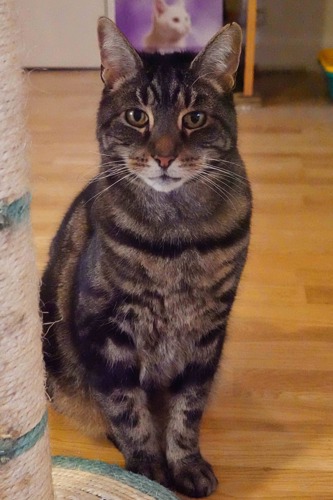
(164,184)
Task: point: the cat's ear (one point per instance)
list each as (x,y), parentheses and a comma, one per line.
(119,59)
(160,7)
(219,60)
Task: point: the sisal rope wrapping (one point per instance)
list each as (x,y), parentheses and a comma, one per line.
(13,165)
(22,396)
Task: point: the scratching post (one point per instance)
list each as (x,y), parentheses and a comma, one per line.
(25,464)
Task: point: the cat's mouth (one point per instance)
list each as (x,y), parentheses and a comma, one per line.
(165,178)
(164,182)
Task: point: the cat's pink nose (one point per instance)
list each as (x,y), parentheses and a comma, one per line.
(164,161)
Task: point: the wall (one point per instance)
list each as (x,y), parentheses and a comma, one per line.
(327,39)
(292,33)
(61,33)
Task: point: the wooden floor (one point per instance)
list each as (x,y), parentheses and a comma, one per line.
(269,429)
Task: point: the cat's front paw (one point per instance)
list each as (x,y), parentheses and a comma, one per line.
(194,477)
(153,469)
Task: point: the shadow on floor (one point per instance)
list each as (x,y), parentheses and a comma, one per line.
(286,87)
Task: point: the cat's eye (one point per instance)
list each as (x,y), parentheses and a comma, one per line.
(176,19)
(195,119)
(136,117)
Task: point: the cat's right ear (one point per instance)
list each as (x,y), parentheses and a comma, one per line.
(119,59)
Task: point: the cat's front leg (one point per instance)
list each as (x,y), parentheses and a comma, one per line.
(191,473)
(130,426)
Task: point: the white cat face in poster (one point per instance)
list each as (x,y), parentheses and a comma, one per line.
(171,25)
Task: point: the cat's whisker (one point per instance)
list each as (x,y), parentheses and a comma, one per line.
(214,175)
(113,169)
(204,179)
(232,175)
(115,174)
(109,166)
(113,162)
(221,160)
(109,170)
(222,168)
(50,325)
(87,173)
(96,196)
(225,194)
(210,168)
(105,154)
(132,180)
(212,187)
(106,175)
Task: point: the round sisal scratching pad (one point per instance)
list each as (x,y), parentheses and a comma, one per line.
(81,479)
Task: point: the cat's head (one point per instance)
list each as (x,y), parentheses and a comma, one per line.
(173,21)
(166,120)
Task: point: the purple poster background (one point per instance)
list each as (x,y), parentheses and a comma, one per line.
(134,19)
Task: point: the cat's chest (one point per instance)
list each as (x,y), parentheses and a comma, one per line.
(175,316)
(166,308)
(177,297)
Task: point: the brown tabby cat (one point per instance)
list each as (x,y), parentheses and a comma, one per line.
(144,269)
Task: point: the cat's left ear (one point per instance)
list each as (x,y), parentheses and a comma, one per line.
(219,60)
(119,59)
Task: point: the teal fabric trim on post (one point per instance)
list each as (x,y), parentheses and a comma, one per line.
(15,212)
(141,483)
(11,448)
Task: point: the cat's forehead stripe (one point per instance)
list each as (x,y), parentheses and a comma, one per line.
(151,96)
(167,90)
(173,84)
(140,97)
(156,88)
(181,98)
(171,93)
(173,89)
(192,98)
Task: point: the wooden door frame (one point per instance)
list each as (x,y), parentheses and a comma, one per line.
(250,44)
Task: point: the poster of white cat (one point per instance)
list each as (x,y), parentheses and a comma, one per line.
(169,25)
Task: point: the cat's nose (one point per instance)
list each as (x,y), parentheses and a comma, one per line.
(164,161)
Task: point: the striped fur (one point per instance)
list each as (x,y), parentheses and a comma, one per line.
(140,282)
